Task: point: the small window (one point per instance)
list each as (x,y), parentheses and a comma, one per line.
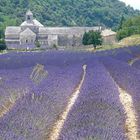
(28,17)
(26,41)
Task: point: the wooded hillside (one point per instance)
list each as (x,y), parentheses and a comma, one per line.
(66,13)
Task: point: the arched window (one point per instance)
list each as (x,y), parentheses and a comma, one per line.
(28,17)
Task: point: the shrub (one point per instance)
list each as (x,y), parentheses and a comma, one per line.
(37,44)
(2,44)
(55,46)
(92,38)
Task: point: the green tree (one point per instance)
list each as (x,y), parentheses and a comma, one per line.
(2,44)
(55,46)
(121,23)
(85,38)
(129,27)
(37,44)
(66,13)
(92,38)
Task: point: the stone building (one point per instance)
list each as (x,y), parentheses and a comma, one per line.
(32,31)
(109,36)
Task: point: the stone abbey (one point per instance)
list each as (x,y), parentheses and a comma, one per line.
(32,31)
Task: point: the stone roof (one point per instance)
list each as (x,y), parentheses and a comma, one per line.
(34,23)
(29,12)
(57,30)
(37,23)
(54,30)
(66,30)
(108,32)
(27,32)
(42,30)
(12,30)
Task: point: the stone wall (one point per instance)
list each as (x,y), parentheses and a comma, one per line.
(69,40)
(60,36)
(109,40)
(52,40)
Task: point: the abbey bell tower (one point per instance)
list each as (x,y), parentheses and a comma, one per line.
(29,17)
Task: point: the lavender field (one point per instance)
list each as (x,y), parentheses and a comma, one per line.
(67,95)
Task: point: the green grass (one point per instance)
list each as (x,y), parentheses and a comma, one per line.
(108,47)
(130,41)
(3,51)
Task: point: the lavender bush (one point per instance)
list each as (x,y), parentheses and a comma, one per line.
(98,113)
(33,115)
(35,88)
(128,78)
(136,64)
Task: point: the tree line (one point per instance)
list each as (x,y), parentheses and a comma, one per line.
(65,12)
(128,27)
(72,13)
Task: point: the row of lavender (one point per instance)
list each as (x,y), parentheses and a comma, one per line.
(33,114)
(89,116)
(53,58)
(98,112)
(15,60)
(137,64)
(128,78)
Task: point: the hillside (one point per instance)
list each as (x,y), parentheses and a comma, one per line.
(130,41)
(66,13)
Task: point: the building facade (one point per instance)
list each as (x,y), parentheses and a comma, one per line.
(31,31)
(109,37)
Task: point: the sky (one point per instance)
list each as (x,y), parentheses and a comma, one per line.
(133,3)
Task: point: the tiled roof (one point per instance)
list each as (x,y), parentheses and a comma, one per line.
(66,30)
(12,30)
(27,33)
(108,32)
(34,23)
